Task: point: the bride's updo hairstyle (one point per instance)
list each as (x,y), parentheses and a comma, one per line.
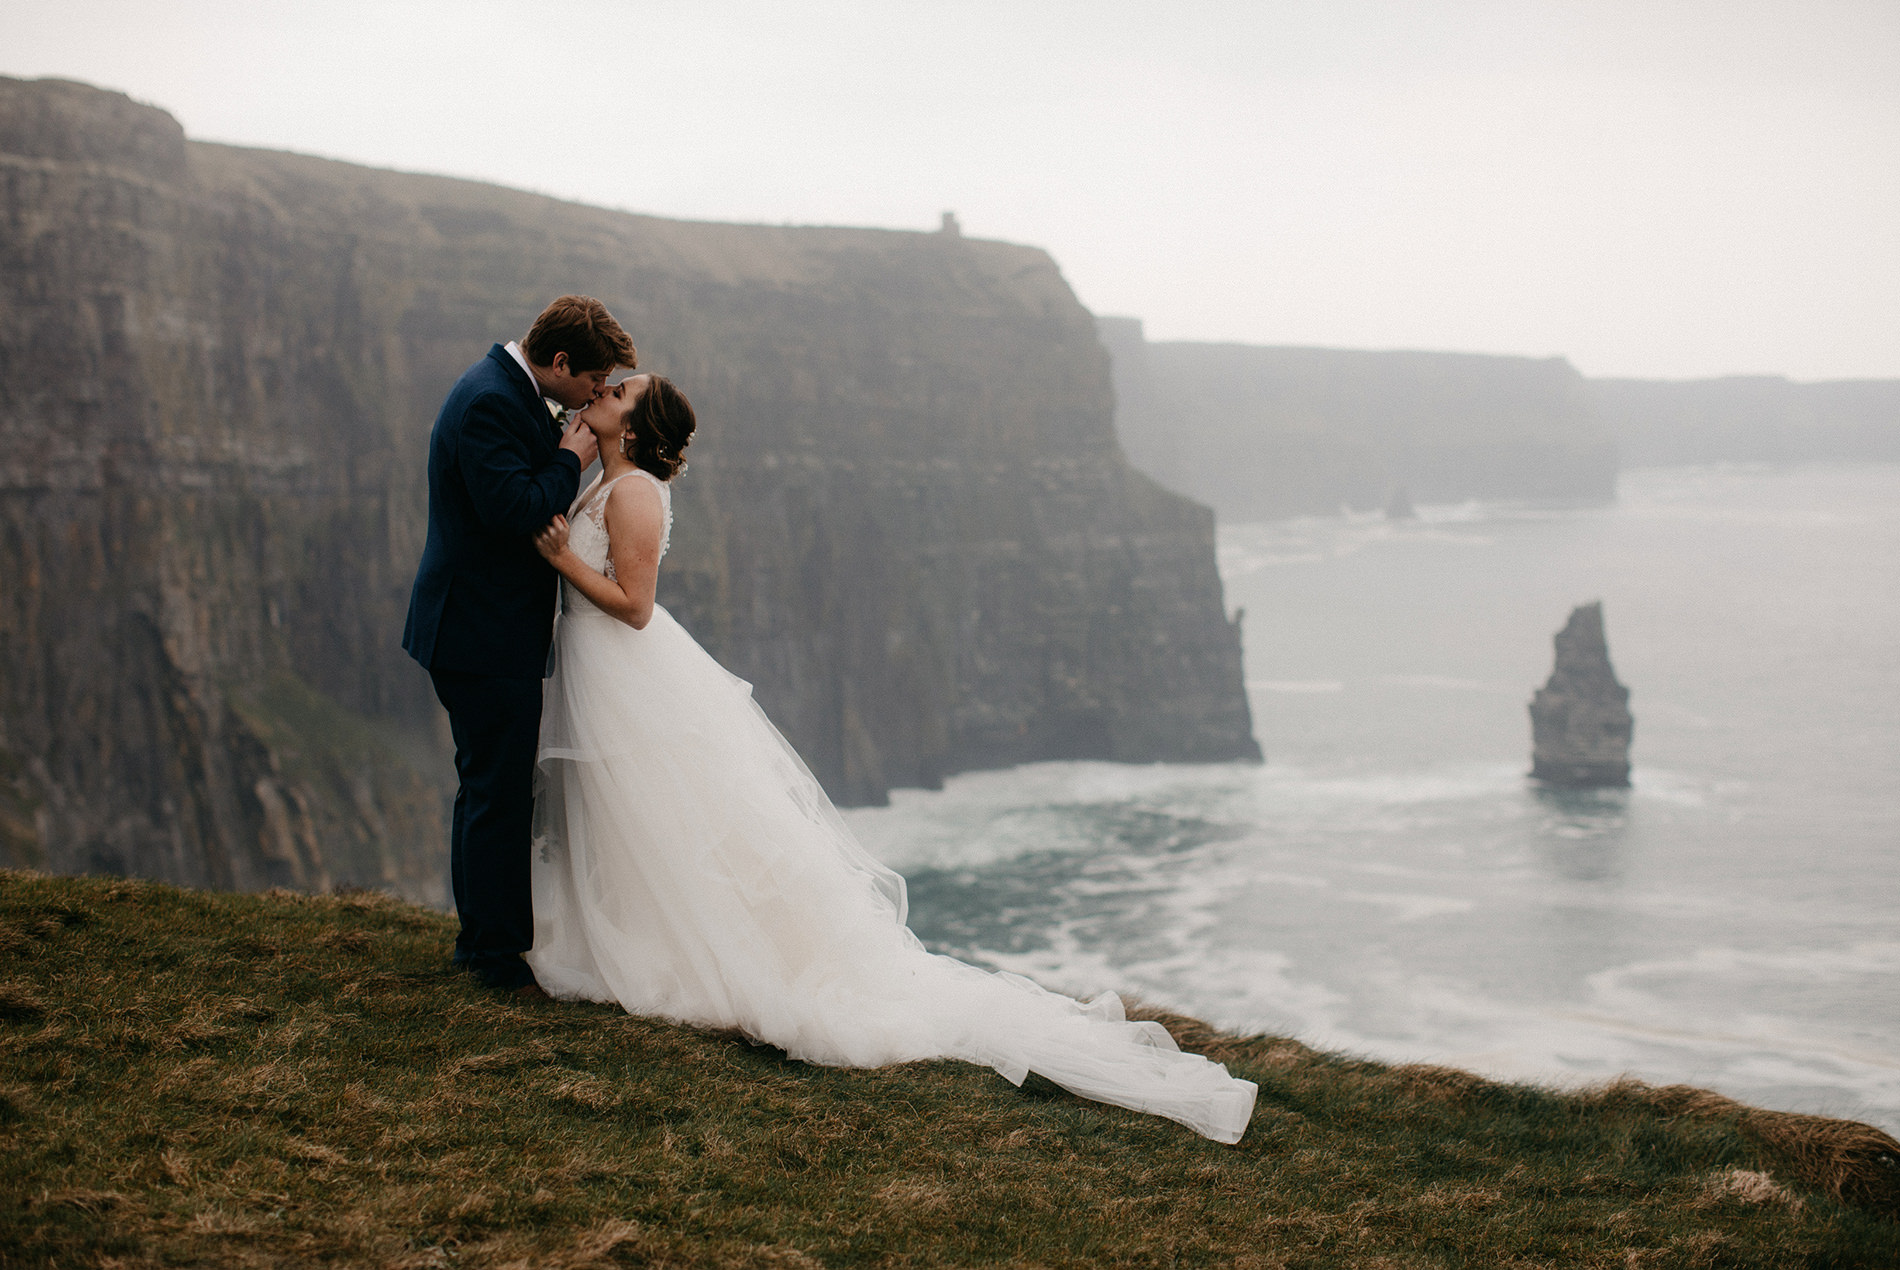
(658,427)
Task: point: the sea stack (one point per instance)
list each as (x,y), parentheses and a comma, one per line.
(1580,720)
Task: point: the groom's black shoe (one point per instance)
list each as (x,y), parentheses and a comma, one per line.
(502,974)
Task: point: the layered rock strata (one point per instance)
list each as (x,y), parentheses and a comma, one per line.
(907,520)
(1580,720)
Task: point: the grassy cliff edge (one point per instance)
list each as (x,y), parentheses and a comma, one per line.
(200,1078)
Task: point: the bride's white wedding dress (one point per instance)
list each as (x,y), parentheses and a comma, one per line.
(689,866)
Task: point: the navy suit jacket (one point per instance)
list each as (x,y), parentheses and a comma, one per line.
(483,601)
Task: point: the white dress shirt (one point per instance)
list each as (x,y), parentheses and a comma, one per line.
(521,360)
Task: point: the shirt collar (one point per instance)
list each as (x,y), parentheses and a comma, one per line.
(521,360)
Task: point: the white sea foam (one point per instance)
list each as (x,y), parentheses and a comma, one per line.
(1410,907)
(1452,682)
(1295,685)
(1448,539)
(1293,785)
(1387,869)
(1808,967)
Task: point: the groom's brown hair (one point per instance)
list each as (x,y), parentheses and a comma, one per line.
(581,327)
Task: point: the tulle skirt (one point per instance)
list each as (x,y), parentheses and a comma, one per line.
(689,866)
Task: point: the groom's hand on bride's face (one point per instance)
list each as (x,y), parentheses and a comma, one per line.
(580,440)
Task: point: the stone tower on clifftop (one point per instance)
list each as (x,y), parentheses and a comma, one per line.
(1580,720)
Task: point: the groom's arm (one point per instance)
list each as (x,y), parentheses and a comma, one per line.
(510,493)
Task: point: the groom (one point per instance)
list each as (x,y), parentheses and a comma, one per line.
(481,614)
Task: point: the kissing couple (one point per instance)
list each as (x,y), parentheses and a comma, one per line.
(629,825)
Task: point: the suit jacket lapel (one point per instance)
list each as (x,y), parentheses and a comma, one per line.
(529,391)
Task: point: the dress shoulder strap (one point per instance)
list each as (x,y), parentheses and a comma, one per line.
(666,507)
(583,498)
(610,484)
(666,491)
(594,502)
(600,494)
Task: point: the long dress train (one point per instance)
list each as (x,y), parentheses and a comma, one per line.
(688,866)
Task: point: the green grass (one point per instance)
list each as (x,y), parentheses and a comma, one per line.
(190,1078)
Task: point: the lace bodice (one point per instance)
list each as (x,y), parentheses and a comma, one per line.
(587,531)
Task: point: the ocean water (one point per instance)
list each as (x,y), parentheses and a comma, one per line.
(1390,884)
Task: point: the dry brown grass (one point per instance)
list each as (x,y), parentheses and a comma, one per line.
(1849,1161)
(294,1080)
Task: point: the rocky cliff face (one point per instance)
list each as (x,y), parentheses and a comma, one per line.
(1262,432)
(1750,419)
(907,520)
(1580,720)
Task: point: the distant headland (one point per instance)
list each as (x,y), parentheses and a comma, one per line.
(1263,432)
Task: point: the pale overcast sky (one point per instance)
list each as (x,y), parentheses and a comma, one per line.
(1663,188)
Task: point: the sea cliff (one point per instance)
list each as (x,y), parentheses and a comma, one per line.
(1262,432)
(907,519)
(1751,419)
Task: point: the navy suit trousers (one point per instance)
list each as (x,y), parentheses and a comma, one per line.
(496,723)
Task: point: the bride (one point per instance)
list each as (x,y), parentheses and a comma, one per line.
(689,866)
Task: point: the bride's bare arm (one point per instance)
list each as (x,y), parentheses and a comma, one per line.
(635,521)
